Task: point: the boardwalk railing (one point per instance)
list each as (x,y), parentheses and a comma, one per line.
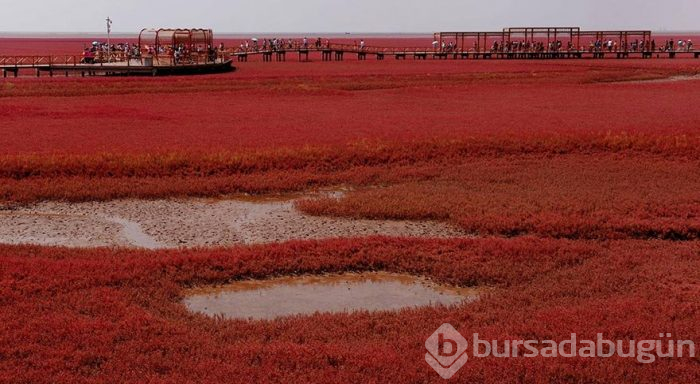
(43,61)
(192,63)
(38,61)
(373,50)
(77,60)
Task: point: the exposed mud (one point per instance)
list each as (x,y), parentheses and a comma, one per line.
(133,233)
(670,79)
(191,223)
(275,298)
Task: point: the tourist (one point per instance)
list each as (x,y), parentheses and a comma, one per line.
(88,57)
(211,52)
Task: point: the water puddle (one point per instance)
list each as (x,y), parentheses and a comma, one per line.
(271,299)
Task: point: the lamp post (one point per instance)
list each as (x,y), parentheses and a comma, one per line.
(109,45)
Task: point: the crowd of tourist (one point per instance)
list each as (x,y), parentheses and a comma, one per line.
(100,52)
(103,52)
(641,46)
(124,52)
(560,46)
(277,44)
(682,46)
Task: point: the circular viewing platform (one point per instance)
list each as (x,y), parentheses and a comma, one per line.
(158,52)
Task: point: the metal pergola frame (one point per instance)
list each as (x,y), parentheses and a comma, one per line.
(552,33)
(622,36)
(537,34)
(460,38)
(193,40)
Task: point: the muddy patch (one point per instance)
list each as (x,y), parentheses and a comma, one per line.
(192,223)
(276,298)
(51,229)
(135,235)
(670,79)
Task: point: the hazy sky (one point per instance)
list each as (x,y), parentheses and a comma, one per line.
(345,15)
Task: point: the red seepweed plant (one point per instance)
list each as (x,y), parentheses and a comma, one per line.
(115,315)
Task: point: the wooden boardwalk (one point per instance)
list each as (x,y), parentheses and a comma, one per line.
(72,65)
(338,52)
(66,65)
(519,43)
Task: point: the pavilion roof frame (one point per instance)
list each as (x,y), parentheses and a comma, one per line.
(540,30)
(574,33)
(480,36)
(189,37)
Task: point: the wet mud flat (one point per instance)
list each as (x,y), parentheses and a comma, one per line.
(307,295)
(156,224)
(663,80)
